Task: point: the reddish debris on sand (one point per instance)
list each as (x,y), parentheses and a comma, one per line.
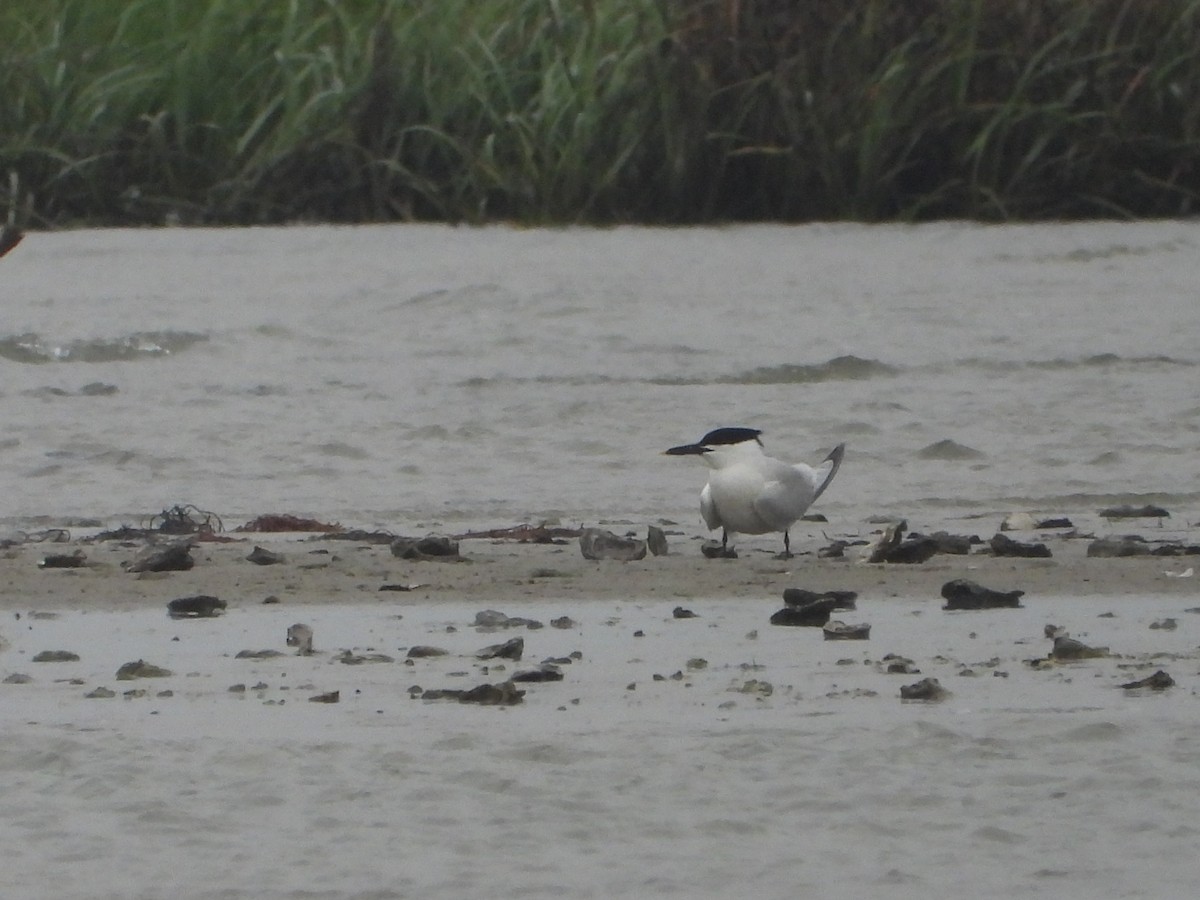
(284,522)
(9,238)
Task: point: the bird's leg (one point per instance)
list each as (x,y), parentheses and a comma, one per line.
(724,540)
(787,546)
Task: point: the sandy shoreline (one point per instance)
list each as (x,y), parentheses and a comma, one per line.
(504,572)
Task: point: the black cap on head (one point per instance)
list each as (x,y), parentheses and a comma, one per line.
(720,436)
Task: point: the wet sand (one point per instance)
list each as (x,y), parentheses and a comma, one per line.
(697,756)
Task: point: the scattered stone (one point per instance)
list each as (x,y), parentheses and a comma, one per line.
(491,618)
(424,651)
(236,689)
(893,547)
(1134,512)
(680,613)
(201,606)
(814,614)
(1159,681)
(64,560)
(1003,545)
(962,593)
(513,648)
(1164,625)
(717,550)
(596,543)
(300,636)
(357,659)
(1053,631)
(540,674)
(100,693)
(18,678)
(925,689)
(696,663)
(172,557)
(141,669)
(503,694)
(56,656)
(260,556)
(1113,547)
(135,694)
(835,550)
(895,664)
(802,597)
(328,697)
(434,546)
(416,585)
(1067,648)
(563,622)
(840,631)
(656,540)
(257,654)
(950,544)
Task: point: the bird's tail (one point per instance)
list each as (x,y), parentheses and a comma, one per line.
(828,468)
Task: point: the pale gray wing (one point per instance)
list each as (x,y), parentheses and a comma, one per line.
(791,490)
(708,509)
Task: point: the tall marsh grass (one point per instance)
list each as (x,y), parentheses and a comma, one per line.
(548,111)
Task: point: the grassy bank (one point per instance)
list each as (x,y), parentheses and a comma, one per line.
(241,111)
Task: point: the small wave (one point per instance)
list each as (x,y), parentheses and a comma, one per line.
(949,450)
(840,368)
(32,348)
(1094,361)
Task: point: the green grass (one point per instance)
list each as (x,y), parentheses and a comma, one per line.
(549,111)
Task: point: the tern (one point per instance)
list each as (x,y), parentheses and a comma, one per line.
(749,492)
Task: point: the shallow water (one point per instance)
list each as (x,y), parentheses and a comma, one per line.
(418,376)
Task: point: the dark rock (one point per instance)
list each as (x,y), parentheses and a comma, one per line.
(563,622)
(328,697)
(814,614)
(899,665)
(962,593)
(504,694)
(840,631)
(1134,512)
(1159,681)
(64,560)
(541,673)
(260,556)
(422,651)
(596,543)
(951,544)
(1003,545)
(892,546)
(925,689)
(172,557)
(1118,547)
(100,693)
(491,618)
(1058,522)
(1176,549)
(1067,648)
(835,550)
(1164,625)
(802,597)
(18,678)
(56,656)
(141,669)
(680,613)
(656,540)
(197,607)
(717,550)
(513,648)
(433,546)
